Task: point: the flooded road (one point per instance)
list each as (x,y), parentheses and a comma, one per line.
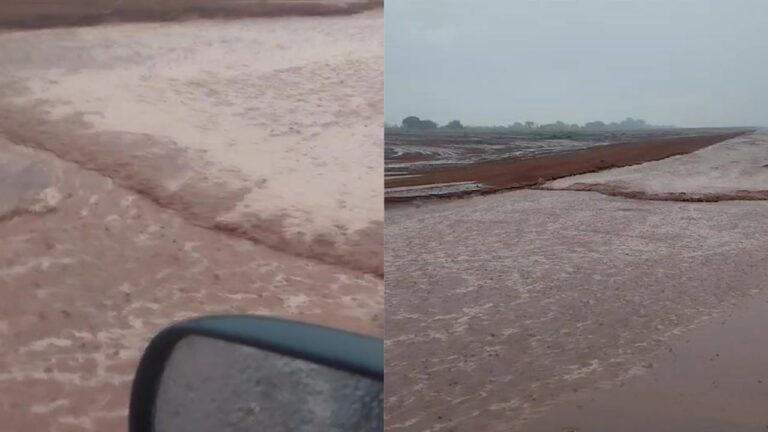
(154,172)
(711,379)
(90,270)
(270,128)
(502,307)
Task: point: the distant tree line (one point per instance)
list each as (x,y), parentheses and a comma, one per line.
(415,123)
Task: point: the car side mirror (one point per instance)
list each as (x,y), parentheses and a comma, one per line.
(248,373)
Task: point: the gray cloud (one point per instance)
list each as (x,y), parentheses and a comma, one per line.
(683,62)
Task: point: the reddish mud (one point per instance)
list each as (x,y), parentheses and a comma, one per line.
(518,173)
(711,379)
(89,271)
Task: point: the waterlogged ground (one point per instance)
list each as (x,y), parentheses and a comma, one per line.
(403,156)
(266,127)
(434,190)
(528,162)
(89,271)
(409,151)
(712,378)
(145,172)
(734,169)
(500,307)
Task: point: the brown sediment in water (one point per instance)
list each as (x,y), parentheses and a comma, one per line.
(712,378)
(502,306)
(153,166)
(88,281)
(109,234)
(319,197)
(519,173)
(78,13)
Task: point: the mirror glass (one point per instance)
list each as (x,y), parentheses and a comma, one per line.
(212,385)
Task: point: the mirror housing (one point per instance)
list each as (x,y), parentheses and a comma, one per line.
(340,350)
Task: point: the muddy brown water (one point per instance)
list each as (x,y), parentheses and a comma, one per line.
(501,307)
(240,125)
(108,236)
(713,378)
(89,271)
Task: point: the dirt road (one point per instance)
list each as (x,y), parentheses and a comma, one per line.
(500,307)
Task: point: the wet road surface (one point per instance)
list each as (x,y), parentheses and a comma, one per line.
(711,379)
(89,271)
(501,307)
(265,127)
(133,194)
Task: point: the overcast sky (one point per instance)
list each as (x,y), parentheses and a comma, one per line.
(687,63)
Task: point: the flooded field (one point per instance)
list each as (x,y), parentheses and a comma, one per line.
(410,152)
(502,307)
(531,163)
(151,172)
(405,153)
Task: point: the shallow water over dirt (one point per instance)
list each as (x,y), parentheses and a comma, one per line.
(87,281)
(267,128)
(154,172)
(711,379)
(731,170)
(499,307)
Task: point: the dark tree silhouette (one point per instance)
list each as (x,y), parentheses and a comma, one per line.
(454,124)
(413,122)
